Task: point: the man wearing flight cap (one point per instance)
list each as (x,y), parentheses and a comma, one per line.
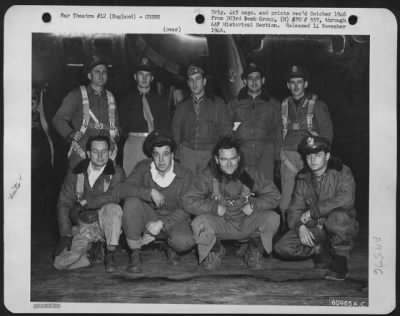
(256,119)
(321,215)
(303,114)
(88,111)
(141,111)
(153,205)
(199,121)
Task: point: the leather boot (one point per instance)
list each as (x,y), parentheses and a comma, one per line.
(96,252)
(109,261)
(135,262)
(254,255)
(338,270)
(322,259)
(172,256)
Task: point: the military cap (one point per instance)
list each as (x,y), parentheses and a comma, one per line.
(194,69)
(95,61)
(144,65)
(252,67)
(313,144)
(158,138)
(296,71)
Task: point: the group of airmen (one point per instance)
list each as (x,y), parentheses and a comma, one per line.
(204,176)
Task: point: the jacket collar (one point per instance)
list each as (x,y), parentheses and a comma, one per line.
(82,166)
(244,95)
(178,169)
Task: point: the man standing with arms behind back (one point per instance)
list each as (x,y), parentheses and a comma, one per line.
(141,111)
(303,114)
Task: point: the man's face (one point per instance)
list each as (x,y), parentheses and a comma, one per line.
(162,157)
(228,160)
(197,84)
(318,162)
(98,76)
(297,87)
(143,78)
(254,82)
(99,153)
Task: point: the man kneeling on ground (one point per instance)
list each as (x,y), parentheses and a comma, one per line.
(228,199)
(85,202)
(321,214)
(152,206)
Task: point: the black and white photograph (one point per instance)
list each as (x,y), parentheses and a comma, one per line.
(206,171)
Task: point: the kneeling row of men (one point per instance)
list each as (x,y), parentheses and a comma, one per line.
(162,200)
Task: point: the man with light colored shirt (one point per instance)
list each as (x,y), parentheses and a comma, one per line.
(153,207)
(87,210)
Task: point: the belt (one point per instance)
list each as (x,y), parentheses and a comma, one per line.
(138,134)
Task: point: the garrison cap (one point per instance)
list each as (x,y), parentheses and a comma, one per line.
(144,65)
(194,69)
(252,67)
(95,61)
(296,71)
(158,138)
(314,144)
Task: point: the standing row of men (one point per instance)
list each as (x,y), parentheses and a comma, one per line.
(234,185)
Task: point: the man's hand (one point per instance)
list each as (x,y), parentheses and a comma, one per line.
(305,217)
(221,210)
(64,242)
(247,209)
(77,136)
(83,203)
(157,198)
(306,236)
(154,227)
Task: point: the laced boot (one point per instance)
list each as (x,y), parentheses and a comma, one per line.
(254,255)
(338,270)
(135,262)
(109,261)
(172,256)
(214,258)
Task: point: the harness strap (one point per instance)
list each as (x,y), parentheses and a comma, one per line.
(310,113)
(80,181)
(288,163)
(284,114)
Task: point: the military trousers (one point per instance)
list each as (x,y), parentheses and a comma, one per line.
(107,228)
(138,213)
(195,160)
(291,164)
(133,151)
(206,228)
(260,156)
(339,229)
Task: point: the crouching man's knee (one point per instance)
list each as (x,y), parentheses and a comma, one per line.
(181,242)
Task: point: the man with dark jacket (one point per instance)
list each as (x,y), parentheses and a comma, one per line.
(321,214)
(229,200)
(87,213)
(153,205)
(199,121)
(141,111)
(88,111)
(303,114)
(257,121)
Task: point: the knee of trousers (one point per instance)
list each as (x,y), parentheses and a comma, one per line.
(202,227)
(180,241)
(339,221)
(284,247)
(269,221)
(133,206)
(110,210)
